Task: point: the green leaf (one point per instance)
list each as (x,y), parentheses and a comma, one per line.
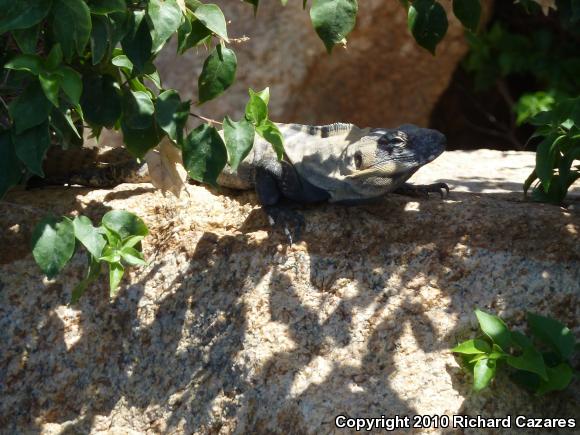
(529,105)
(494,328)
(101,100)
(333,20)
(93,272)
(427,22)
(530,381)
(50,84)
(89,236)
(182,33)
(71,84)
(166,18)
(269,131)
(141,140)
(138,110)
(204,154)
(123,61)
(218,73)
(256,109)
(559,378)
(483,373)
(54,58)
(53,244)
(468,12)
(26,62)
(100,37)
(71,25)
(545,160)
(212,17)
(31,146)
(103,7)
(22,14)
(125,224)
(137,43)
(130,242)
(132,256)
(497,353)
(116,271)
(154,77)
(65,129)
(553,333)
(239,138)
(475,346)
(264,95)
(30,108)
(120,23)
(477,357)
(10,168)
(172,114)
(110,255)
(196,34)
(530,360)
(27,39)
(113,239)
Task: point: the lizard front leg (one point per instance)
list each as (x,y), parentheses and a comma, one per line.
(272,185)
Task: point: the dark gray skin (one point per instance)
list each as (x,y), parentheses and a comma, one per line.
(338,163)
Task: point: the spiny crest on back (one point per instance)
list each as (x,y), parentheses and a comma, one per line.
(328,130)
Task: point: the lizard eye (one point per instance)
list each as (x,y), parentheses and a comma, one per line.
(392,139)
(358,160)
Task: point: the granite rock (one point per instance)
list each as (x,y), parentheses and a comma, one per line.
(382,78)
(229,330)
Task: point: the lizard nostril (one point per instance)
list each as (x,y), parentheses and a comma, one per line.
(357,160)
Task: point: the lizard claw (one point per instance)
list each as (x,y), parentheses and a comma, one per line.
(425,189)
(438,187)
(291,222)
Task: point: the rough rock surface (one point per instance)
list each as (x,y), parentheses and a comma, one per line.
(383,78)
(228,331)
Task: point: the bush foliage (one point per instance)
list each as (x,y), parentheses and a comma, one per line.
(75,64)
(541,366)
(548,56)
(117,242)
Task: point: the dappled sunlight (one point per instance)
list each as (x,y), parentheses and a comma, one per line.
(72,328)
(359,316)
(438,396)
(312,374)
(412,206)
(14,229)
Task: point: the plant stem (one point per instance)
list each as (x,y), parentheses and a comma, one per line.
(203,118)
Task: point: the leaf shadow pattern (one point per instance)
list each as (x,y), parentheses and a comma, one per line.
(241,336)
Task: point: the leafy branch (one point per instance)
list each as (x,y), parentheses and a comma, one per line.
(117,242)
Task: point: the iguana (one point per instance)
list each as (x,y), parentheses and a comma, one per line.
(337,163)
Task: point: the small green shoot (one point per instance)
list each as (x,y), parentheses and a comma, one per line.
(540,368)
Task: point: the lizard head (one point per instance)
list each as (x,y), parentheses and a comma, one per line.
(395,153)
